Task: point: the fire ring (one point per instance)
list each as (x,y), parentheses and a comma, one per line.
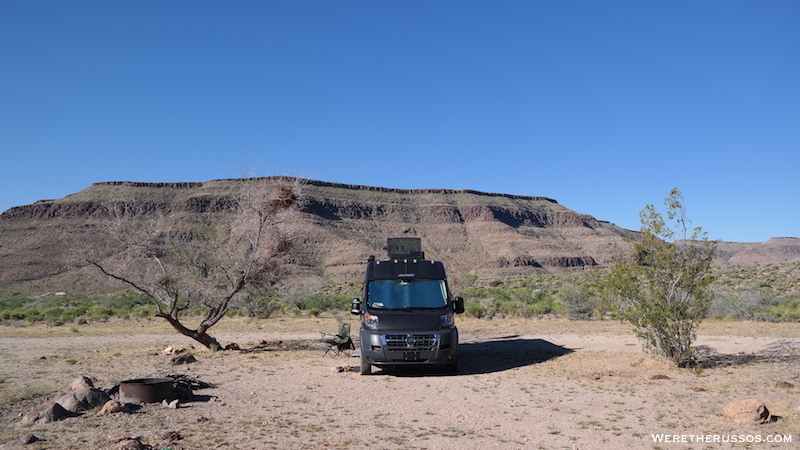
(147,390)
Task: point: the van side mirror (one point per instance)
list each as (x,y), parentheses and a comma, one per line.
(355,306)
(458,305)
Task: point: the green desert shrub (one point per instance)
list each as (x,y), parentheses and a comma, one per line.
(731,304)
(475,309)
(99,313)
(663,289)
(788,309)
(328,302)
(577,304)
(262,307)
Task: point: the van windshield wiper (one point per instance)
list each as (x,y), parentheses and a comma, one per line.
(412,308)
(404,308)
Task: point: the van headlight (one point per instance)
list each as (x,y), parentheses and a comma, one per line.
(446,320)
(371,321)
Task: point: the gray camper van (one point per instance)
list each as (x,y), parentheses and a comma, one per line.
(407,311)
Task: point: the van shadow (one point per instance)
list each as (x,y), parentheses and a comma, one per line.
(506,353)
(491,356)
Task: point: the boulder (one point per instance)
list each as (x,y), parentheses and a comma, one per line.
(83,399)
(81,382)
(45,413)
(749,411)
(113,406)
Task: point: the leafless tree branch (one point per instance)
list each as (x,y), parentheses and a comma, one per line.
(202,262)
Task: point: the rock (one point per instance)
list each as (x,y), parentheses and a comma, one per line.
(81,382)
(232,346)
(183,392)
(173,350)
(183,359)
(173,404)
(660,377)
(172,436)
(749,411)
(83,399)
(69,402)
(169,439)
(125,443)
(29,438)
(45,413)
(91,397)
(20,442)
(113,406)
(784,385)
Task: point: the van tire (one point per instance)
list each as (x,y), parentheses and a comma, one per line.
(366,368)
(452,366)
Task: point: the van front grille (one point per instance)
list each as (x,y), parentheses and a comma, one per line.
(413,341)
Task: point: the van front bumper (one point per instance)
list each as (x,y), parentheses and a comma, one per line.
(396,348)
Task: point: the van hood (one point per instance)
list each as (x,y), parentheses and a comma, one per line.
(413,320)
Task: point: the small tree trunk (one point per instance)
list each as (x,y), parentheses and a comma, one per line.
(207,340)
(200,336)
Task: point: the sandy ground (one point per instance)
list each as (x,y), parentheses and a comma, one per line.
(547,384)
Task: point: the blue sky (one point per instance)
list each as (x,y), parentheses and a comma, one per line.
(603,106)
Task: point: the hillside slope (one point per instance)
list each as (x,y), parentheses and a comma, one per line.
(473,232)
(777,249)
(341,225)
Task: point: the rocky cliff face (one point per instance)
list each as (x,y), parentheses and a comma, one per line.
(341,225)
(473,232)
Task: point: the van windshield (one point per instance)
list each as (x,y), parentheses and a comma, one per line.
(402,294)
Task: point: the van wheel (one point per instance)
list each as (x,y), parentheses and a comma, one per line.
(366,368)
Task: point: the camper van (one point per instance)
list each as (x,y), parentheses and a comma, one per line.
(407,311)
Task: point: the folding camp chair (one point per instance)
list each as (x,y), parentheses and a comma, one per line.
(339,343)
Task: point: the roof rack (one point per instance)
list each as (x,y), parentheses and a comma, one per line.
(405,248)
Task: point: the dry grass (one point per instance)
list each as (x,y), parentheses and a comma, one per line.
(327,322)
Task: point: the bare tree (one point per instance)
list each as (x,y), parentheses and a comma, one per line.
(191,262)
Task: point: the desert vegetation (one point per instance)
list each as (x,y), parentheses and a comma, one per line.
(236,280)
(768,293)
(663,288)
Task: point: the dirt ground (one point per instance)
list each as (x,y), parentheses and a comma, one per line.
(549,384)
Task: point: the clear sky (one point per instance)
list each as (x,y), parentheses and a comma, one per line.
(603,106)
